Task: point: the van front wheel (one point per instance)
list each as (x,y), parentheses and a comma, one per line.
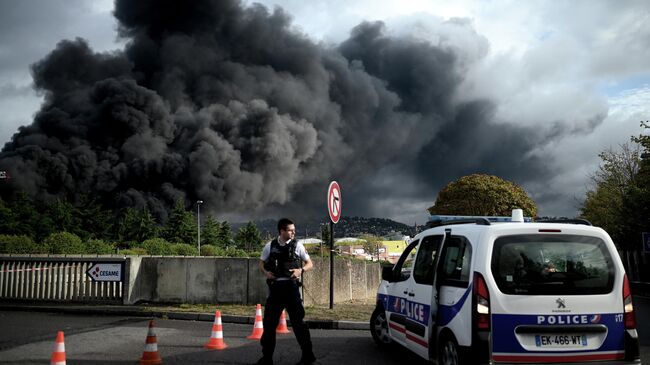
(379,327)
(448,353)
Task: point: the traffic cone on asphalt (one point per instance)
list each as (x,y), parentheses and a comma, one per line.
(258,328)
(58,355)
(282,326)
(216,339)
(150,354)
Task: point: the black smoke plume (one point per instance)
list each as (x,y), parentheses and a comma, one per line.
(215,101)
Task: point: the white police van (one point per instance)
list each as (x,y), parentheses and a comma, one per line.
(479,291)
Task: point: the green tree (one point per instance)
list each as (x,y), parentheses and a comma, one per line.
(7,218)
(248,238)
(63,216)
(27,220)
(483,195)
(636,202)
(210,230)
(371,244)
(136,225)
(64,243)
(225,235)
(96,222)
(611,183)
(181,226)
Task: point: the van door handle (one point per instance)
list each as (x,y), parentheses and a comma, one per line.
(411,294)
(405,292)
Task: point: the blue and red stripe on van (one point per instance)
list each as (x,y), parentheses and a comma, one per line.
(412,318)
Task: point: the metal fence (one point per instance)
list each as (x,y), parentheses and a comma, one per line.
(56,279)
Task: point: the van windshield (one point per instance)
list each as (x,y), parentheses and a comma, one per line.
(544,264)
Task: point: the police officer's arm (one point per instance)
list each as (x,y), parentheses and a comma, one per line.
(307,265)
(268,274)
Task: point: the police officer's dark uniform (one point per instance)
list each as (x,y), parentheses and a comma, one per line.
(284,293)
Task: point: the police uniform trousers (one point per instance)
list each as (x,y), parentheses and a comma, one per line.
(285,294)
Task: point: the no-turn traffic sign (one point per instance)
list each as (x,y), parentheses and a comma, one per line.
(334,201)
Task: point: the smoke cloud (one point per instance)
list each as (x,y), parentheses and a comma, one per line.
(215,101)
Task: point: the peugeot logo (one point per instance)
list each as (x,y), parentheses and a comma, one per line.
(560,303)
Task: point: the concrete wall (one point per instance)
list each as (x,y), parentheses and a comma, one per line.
(158,279)
(238,280)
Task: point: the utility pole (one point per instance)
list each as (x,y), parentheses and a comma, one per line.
(198,225)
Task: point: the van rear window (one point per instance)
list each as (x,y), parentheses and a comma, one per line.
(550,264)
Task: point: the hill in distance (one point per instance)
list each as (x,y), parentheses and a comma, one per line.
(346,227)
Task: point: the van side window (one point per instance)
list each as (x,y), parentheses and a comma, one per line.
(456,259)
(423,270)
(404,265)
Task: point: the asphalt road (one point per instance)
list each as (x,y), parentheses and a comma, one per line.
(28,338)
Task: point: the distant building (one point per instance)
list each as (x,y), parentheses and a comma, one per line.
(394,249)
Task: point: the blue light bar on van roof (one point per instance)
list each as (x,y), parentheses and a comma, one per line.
(446,218)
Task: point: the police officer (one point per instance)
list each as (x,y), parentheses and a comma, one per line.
(283,261)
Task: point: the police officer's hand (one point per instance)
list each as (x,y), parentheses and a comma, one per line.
(296,273)
(269,275)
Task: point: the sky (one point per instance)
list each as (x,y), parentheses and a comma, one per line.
(530,91)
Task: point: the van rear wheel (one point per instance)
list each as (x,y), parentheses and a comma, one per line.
(379,327)
(448,353)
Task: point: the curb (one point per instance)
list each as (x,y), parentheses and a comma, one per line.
(183,316)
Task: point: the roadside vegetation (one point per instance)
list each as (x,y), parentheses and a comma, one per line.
(358,310)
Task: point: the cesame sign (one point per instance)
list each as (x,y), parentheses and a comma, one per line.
(105,271)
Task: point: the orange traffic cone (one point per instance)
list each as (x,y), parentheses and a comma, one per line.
(282,326)
(216,339)
(258,328)
(58,355)
(150,354)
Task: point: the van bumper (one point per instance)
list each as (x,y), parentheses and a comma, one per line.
(632,354)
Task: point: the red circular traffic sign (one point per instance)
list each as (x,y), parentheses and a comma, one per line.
(334,201)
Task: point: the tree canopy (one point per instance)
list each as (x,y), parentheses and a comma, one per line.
(482,195)
(619,200)
(248,238)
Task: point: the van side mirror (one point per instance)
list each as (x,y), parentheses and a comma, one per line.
(387,273)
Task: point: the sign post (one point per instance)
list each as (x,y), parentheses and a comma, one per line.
(334,210)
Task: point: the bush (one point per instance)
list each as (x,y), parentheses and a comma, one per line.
(157,246)
(64,243)
(19,244)
(136,251)
(211,250)
(234,252)
(99,247)
(183,249)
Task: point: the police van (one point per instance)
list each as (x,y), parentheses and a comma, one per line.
(480,290)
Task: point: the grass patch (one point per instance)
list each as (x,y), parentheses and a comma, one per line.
(347,311)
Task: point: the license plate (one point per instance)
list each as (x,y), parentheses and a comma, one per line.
(557,340)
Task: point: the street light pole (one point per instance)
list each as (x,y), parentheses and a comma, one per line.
(198,224)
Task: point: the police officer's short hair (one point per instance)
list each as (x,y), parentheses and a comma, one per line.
(283,223)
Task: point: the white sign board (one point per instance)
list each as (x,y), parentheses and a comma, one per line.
(104,271)
(334,201)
